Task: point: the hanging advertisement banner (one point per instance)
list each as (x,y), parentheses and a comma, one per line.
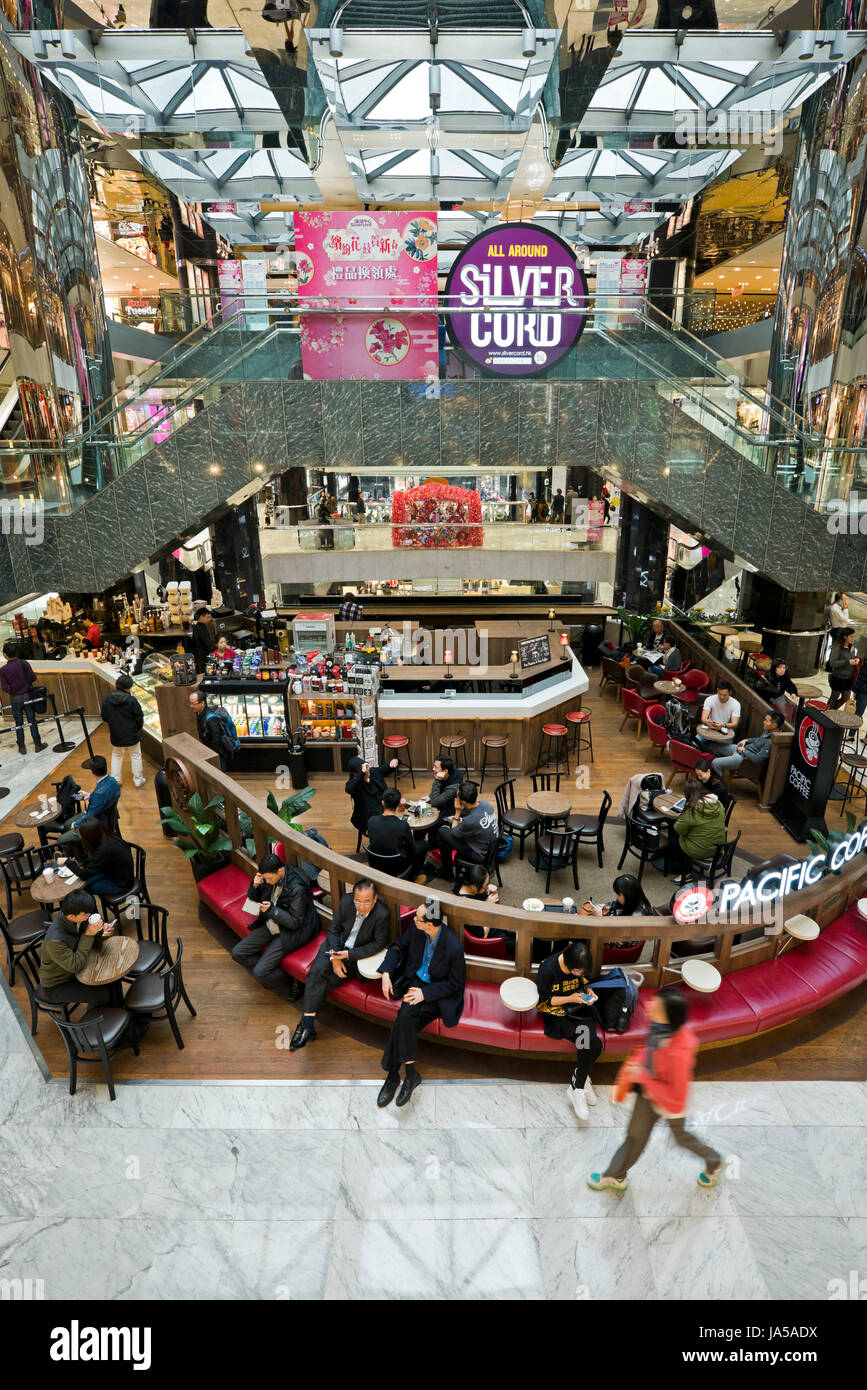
(517,301)
(254,273)
(231,282)
(384,262)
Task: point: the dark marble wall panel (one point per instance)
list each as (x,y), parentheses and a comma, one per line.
(341,418)
(538,410)
(25,564)
(459,423)
(165,493)
(228,425)
(266,428)
(688,444)
(50,568)
(103,526)
(498,428)
(578,415)
(136,527)
(202,488)
(380,443)
(419,426)
(848,563)
(755,498)
(720,499)
(8,584)
(816,553)
(785,532)
(654,419)
(74,541)
(616,433)
(302,412)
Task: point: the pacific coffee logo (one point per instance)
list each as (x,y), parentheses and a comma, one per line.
(810,741)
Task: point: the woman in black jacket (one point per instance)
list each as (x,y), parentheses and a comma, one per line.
(124,717)
(426,969)
(106,863)
(366,785)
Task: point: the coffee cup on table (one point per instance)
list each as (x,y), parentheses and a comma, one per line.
(48,873)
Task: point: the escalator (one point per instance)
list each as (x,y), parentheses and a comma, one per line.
(640,400)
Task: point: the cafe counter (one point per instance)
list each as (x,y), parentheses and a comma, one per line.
(433,702)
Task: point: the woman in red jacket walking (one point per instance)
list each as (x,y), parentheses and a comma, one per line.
(660,1073)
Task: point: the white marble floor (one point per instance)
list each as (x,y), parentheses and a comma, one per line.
(21,775)
(277,1190)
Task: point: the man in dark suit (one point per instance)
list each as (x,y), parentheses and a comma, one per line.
(287,920)
(359,928)
(426,967)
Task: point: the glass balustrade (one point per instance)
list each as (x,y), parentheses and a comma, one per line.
(633,340)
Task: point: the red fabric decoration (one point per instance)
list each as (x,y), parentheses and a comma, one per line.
(436,515)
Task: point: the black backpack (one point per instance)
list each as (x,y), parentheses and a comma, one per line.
(677,721)
(618,996)
(651,786)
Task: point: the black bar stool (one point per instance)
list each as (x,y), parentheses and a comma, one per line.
(582,734)
(397,744)
(456,749)
(499,743)
(552,747)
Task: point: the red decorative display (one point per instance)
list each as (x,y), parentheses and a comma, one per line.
(436,515)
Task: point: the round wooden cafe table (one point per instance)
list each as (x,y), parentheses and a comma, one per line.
(843,719)
(669,687)
(714,735)
(31,816)
(368,966)
(549,803)
(750,641)
(43,891)
(420,820)
(519,993)
(808,692)
(665,804)
(110,961)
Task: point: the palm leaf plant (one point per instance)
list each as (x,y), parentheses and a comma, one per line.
(203,837)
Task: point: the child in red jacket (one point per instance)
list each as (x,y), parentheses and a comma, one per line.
(660,1073)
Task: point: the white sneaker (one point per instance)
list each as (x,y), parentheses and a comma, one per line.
(589,1093)
(578,1101)
(139,781)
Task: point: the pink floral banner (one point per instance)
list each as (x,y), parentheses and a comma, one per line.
(384,261)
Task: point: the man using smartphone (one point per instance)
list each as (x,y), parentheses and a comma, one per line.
(565,1002)
(66,949)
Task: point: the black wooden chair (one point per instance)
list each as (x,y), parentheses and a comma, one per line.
(515,820)
(555,849)
(20,934)
(19,869)
(718,866)
(394,864)
(590,828)
(158,994)
(138,888)
(491,863)
(644,841)
(96,1037)
(152,930)
(27,963)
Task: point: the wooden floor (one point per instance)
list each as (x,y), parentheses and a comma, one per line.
(242,1031)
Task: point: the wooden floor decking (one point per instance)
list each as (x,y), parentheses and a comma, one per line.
(239,1027)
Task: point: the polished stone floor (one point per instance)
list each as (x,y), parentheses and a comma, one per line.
(279,1190)
(20,775)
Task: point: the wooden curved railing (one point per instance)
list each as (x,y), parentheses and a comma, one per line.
(823,901)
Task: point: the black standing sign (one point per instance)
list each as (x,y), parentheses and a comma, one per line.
(811,772)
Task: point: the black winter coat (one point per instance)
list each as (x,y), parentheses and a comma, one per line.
(123,715)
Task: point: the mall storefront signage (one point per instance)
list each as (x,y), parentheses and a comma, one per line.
(811,772)
(517,301)
(378,272)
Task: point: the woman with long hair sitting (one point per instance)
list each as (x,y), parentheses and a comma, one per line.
(106,863)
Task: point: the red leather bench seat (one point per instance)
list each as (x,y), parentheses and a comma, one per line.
(752,1000)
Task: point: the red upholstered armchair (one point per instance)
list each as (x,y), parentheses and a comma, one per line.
(634,708)
(696,683)
(683,758)
(653,717)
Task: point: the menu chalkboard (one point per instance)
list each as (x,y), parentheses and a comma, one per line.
(534,651)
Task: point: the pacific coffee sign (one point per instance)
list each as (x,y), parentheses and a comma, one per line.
(517,301)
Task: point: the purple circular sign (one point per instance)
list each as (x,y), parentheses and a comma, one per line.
(517,300)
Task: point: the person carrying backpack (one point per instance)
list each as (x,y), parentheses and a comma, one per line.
(660,1074)
(125,718)
(216,728)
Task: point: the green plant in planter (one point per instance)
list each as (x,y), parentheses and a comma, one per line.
(292,806)
(633,622)
(206,839)
(824,844)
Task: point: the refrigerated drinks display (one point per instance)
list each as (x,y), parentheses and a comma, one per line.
(259,709)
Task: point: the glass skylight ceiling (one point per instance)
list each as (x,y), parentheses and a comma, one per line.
(391,176)
(652,81)
(651,175)
(205,175)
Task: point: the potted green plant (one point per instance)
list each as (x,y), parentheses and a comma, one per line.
(287,810)
(634,623)
(824,844)
(203,838)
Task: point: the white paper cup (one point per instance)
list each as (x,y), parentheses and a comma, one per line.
(94,918)
(48,875)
